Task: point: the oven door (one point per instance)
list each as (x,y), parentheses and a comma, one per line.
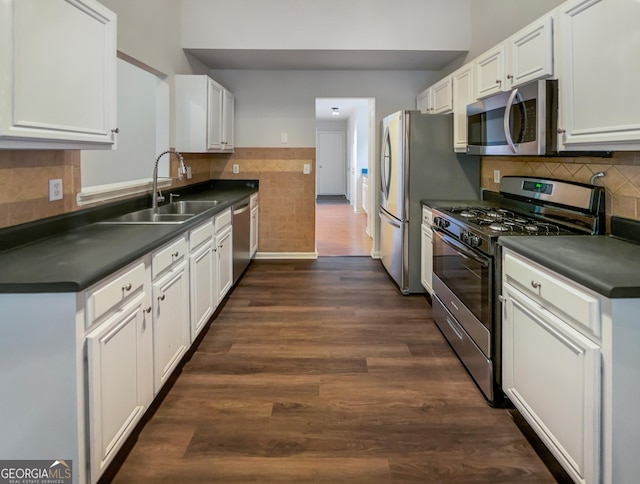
(466,273)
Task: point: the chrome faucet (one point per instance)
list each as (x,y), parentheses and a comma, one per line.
(182,170)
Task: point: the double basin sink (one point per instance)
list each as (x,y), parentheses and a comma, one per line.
(171,213)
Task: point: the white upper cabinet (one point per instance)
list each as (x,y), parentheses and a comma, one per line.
(530,53)
(463,94)
(490,72)
(442,96)
(598,75)
(58,74)
(204,115)
(524,57)
(436,99)
(423,101)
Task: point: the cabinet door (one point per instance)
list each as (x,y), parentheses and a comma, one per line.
(601,112)
(58,87)
(551,373)
(214,115)
(463,94)
(426,259)
(442,96)
(423,101)
(531,53)
(224,242)
(203,293)
(254,231)
(119,358)
(170,322)
(490,72)
(228,104)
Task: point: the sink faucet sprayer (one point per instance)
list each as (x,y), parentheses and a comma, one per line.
(182,170)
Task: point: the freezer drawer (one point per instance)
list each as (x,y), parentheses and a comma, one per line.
(393,241)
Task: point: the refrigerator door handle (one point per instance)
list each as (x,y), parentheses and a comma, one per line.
(388,219)
(385,163)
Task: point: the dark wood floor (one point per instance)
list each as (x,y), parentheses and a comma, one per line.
(320,371)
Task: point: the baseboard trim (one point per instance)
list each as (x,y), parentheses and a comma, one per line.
(286,255)
(376,255)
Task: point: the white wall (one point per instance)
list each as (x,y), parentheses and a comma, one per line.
(492,21)
(269,103)
(327,24)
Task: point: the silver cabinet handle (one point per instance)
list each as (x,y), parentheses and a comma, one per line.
(561,131)
(176,254)
(127,287)
(147,309)
(498,81)
(535,284)
(115,131)
(161,297)
(509,76)
(501,298)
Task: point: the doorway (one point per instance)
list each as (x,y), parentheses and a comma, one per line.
(344,131)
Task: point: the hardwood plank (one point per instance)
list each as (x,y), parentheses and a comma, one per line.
(320,371)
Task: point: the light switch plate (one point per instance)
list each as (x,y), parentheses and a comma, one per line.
(306,169)
(236,168)
(284,137)
(55,189)
(496,176)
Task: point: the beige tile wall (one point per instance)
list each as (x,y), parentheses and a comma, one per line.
(287,196)
(621,180)
(24,184)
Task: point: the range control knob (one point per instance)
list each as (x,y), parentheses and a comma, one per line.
(440,222)
(471,239)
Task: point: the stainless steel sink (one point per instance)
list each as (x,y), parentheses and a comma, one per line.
(149,216)
(188,206)
(171,213)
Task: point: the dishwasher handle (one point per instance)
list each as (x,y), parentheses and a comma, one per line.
(241,209)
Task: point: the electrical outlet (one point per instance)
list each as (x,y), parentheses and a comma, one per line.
(496,176)
(283,137)
(55,189)
(306,169)
(236,168)
(189,175)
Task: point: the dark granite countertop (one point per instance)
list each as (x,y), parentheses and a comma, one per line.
(608,265)
(75,259)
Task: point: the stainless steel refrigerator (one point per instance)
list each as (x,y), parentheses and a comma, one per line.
(417,162)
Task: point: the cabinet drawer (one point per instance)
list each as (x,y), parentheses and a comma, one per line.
(200,235)
(113,292)
(222,220)
(427,216)
(253,201)
(170,254)
(554,293)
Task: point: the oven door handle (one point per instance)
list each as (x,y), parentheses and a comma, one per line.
(460,248)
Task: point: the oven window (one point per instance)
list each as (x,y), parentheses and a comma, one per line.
(469,278)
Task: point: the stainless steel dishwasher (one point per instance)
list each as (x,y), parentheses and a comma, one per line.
(241,238)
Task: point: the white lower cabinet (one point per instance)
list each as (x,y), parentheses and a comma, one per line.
(551,373)
(224,244)
(426,251)
(202,276)
(119,356)
(170,320)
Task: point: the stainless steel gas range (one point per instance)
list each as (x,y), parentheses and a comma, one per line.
(467,268)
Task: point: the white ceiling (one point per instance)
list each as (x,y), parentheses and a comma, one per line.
(346,106)
(400,60)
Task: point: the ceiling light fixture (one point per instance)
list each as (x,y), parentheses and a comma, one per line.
(335,111)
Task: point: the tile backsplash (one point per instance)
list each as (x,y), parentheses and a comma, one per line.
(621,178)
(24,184)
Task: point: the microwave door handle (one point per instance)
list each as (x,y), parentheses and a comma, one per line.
(507,116)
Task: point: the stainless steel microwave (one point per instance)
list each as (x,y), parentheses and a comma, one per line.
(519,122)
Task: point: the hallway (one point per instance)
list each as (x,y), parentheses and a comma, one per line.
(319,371)
(340,231)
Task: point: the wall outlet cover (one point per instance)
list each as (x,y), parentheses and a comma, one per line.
(55,189)
(236,168)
